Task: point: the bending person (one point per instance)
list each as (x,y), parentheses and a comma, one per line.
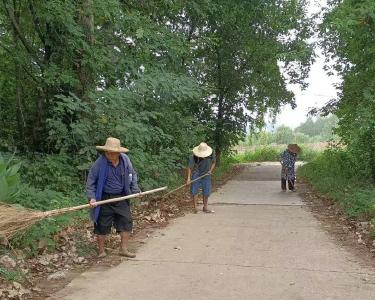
(288,160)
(201,162)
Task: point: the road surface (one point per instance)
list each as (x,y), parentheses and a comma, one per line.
(260,244)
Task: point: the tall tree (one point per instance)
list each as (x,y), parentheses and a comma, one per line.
(245,53)
(348,35)
(235,60)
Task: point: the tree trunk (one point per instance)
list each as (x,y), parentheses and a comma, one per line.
(84,71)
(220,109)
(21,123)
(372,160)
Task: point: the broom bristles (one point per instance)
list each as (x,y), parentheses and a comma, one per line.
(13,220)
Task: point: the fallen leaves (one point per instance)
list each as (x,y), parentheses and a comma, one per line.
(8,262)
(350,231)
(75,245)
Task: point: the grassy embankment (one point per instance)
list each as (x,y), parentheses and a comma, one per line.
(336,174)
(272,153)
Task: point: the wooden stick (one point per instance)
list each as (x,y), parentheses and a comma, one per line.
(79,207)
(186,184)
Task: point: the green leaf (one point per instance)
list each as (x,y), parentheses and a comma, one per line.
(139,33)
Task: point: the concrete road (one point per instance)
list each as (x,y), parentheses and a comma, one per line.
(260,244)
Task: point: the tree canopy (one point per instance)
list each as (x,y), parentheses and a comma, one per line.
(160,75)
(348,33)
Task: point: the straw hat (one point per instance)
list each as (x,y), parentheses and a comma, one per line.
(203,150)
(294,148)
(112,145)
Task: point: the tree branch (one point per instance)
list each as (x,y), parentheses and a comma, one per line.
(15,25)
(36,22)
(23,67)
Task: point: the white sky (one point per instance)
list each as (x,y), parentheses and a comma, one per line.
(321,88)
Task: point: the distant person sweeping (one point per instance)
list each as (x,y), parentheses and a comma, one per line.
(288,160)
(201,163)
(112,175)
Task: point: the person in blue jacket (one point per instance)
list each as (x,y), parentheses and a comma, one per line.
(112,175)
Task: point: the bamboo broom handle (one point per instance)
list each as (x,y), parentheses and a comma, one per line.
(79,207)
(186,184)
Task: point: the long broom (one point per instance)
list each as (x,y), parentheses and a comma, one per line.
(14,219)
(186,184)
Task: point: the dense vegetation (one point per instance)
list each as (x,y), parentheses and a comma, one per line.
(348,174)
(151,73)
(348,32)
(336,173)
(160,75)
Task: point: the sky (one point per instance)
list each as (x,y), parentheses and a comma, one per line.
(321,88)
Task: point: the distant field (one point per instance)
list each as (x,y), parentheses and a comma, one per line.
(241,149)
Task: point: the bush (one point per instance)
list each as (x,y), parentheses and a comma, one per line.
(336,174)
(56,172)
(43,232)
(269,153)
(226,163)
(47,199)
(46,171)
(260,154)
(308,154)
(9,179)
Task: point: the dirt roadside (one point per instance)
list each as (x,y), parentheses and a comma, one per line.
(75,251)
(349,233)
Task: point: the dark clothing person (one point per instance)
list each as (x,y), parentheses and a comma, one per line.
(113,182)
(290,184)
(117,214)
(288,160)
(112,176)
(201,163)
(201,166)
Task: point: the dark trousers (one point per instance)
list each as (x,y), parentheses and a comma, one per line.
(117,214)
(290,184)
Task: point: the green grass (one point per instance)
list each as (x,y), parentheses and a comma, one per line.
(11,275)
(272,153)
(260,154)
(335,174)
(226,163)
(308,154)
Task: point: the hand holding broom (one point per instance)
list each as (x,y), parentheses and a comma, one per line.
(13,220)
(186,184)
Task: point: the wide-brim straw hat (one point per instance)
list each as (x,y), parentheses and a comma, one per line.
(203,150)
(112,145)
(294,148)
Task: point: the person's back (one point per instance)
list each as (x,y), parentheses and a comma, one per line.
(288,160)
(201,165)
